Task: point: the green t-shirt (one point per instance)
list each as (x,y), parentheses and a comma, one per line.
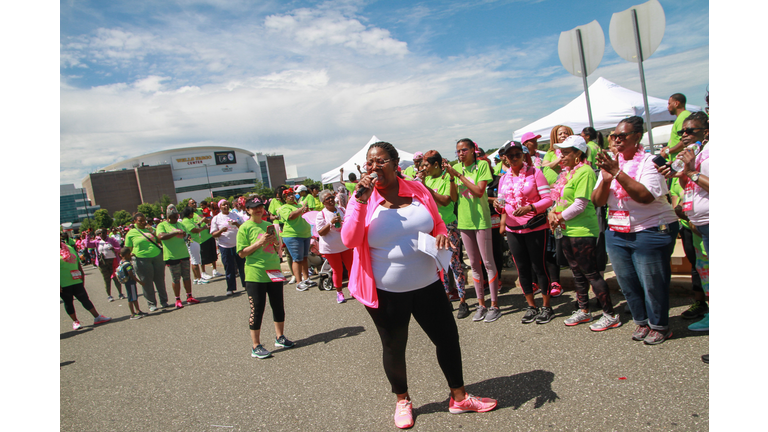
(175,248)
(350,186)
(274,206)
(497,170)
(673,138)
(410,172)
(442,185)
(594,149)
(205,234)
(550,173)
(262,259)
(473,212)
(312,202)
(580,186)
(65,272)
(678,191)
(140,246)
(296,227)
(189,224)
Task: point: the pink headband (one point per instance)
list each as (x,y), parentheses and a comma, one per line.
(221,201)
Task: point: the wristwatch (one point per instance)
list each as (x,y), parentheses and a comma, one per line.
(695,177)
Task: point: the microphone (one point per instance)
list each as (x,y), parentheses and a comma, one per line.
(363,190)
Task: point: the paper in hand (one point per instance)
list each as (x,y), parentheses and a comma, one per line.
(428,246)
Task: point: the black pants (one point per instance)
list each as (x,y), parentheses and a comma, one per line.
(257,297)
(528,251)
(68,295)
(690,253)
(581,253)
(433,311)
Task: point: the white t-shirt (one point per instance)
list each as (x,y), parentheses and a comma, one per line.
(330,243)
(106,249)
(393,238)
(644,216)
(699,215)
(227,239)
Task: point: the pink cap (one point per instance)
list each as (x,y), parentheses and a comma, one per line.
(529,136)
(418,155)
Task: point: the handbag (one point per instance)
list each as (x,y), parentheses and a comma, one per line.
(534,222)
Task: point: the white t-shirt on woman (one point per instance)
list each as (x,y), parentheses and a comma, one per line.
(393,239)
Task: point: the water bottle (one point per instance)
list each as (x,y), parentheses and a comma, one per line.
(678,164)
(558,232)
(338,224)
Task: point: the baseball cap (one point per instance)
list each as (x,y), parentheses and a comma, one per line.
(253,202)
(529,136)
(575,141)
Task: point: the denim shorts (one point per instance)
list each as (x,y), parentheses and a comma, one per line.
(298,247)
(130,290)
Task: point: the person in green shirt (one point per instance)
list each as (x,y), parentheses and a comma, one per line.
(474,223)
(575,212)
(594,141)
(209,253)
(72,285)
(676,107)
(256,243)
(193,246)
(174,235)
(352,183)
(296,235)
(411,172)
(306,197)
(550,166)
(314,190)
(150,268)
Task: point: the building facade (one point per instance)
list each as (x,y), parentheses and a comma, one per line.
(74,206)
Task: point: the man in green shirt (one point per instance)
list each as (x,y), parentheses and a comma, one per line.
(411,171)
(676,107)
(352,184)
(208,250)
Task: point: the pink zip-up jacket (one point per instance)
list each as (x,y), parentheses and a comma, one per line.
(354,234)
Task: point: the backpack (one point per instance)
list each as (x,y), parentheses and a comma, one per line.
(121,273)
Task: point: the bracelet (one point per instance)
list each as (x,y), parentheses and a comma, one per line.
(452,180)
(533,208)
(361,201)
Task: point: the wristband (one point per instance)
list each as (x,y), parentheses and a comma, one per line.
(361,201)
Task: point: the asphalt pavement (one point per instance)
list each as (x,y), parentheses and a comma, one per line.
(191,369)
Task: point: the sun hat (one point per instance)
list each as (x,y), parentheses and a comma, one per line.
(529,136)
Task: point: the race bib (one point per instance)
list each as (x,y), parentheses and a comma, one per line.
(76,275)
(275,275)
(618,220)
(688,198)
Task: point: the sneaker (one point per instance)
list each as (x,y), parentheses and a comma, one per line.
(166,305)
(480,314)
(471,403)
(143,313)
(76,325)
(578,317)
(545,315)
(292,280)
(229,293)
(656,337)
(493,314)
(205,276)
(536,288)
(260,352)
(121,297)
(310,283)
(153,308)
(606,322)
(340,298)
(178,304)
(101,319)
(463,311)
(200,281)
(705,358)
(215,273)
(530,314)
(192,300)
(110,299)
(702,325)
(282,341)
(301,286)
(555,289)
(312,271)
(404,414)
(641,332)
(453,296)
(135,317)
(697,310)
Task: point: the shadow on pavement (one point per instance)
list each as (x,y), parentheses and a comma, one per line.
(66,363)
(330,336)
(510,391)
(69,334)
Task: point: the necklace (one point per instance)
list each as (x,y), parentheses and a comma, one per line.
(566,174)
(634,165)
(514,194)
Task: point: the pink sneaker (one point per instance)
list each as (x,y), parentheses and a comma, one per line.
(76,325)
(555,289)
(178,304)
(101,319)
(471,403)
(404,414)
(192,300)
(536,288)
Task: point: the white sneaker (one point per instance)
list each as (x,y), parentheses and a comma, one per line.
(292,280)
(200,281)
(215,273)
(205,276)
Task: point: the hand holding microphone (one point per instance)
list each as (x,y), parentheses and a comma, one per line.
(364,187)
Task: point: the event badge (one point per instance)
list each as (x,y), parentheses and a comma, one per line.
(688,198)
(275,275)
(76,275)
(618,220)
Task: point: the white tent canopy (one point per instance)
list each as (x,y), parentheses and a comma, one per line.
(661,135)
(332,176)
(610,104)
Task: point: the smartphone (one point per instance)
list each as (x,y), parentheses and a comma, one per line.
(660,161)
(271,230)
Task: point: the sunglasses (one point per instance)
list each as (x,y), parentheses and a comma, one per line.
(622,136)
(689,131)
(514,155)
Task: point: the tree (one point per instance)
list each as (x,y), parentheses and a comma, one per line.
(86,224)
(121,217)
(102,219)
(261,189)
(165,201)
(150,211)
(182,205)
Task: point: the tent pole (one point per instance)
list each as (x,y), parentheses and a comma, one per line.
(584,77)
(642,78)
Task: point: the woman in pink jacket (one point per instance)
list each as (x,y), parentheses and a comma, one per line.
(394,280)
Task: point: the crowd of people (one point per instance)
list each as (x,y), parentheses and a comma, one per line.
(576,206)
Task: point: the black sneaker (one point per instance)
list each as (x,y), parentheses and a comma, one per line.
(463,311)
(545,315)
(282,341)
(705,358)
(697,310)
(530,314)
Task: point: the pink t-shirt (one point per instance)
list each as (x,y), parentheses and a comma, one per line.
(644,216)
(699,215)
(330,243)
(535,191)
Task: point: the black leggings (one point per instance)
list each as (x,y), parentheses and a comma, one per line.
(433,311)
(690,253)
(581,253)
(76,291)
(528,252)
(257,296)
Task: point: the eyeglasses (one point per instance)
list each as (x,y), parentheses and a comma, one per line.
(377,162)
(462,150)
(689,131)
(622,136)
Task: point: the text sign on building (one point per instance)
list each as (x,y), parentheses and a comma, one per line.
(193,160)
(225,158)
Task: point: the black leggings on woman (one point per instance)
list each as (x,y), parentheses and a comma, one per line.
(433,311)
(68,295)
(528,252)
(257,297)
(581,253)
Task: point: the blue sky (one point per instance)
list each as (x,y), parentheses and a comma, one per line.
(314,80)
